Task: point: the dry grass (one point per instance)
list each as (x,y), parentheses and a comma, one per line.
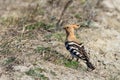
(29,38)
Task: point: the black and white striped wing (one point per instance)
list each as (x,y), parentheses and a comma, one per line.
(76,50)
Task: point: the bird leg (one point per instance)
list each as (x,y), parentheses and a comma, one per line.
(77,59)
(71,59)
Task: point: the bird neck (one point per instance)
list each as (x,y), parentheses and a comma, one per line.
(71,36)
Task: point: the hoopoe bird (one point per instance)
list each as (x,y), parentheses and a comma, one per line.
(75,48)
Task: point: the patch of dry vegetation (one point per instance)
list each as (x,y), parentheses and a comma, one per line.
(28,35)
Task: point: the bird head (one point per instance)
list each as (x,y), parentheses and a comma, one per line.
(71,27)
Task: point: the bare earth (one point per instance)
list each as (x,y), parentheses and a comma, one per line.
(37,52)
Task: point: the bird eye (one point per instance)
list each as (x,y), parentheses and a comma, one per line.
(67,27)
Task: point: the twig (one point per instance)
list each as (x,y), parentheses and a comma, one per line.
(62,13)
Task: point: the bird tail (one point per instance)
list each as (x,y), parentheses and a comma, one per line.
(90,65)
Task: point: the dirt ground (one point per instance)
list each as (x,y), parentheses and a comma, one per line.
(31,48)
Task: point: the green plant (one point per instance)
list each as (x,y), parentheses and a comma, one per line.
(86,23)
(41,49)
(5,47)
(37,73)
(53,73)
(9,60)
(82,1)
(48,36)
(71,64)
(38,25)
(78,16)
(58,36)
(8,21)
(30,35)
